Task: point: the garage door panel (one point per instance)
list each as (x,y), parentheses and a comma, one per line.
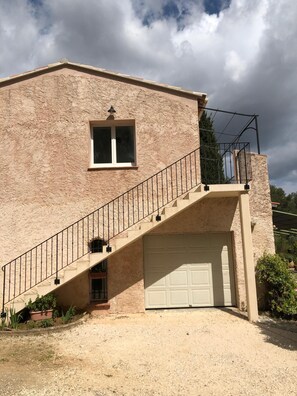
(191,270)
(202,298)
(178,298)
(200,277)
(226,277)
(156,298)
(227,297)
(173,260)
(178,278)
(156,280)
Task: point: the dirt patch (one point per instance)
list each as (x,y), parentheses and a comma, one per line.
(193,352)
(24,361)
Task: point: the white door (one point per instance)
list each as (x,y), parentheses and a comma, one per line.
(188,271)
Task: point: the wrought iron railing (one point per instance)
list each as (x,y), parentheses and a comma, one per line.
(225,163)
(148,197)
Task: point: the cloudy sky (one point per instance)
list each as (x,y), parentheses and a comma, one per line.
(243,53)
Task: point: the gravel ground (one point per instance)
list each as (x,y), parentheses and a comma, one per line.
(187,352)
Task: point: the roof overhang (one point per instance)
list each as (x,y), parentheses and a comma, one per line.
(200,96)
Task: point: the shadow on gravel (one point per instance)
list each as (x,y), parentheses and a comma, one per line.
(277,332)
(234,312)
(282,334)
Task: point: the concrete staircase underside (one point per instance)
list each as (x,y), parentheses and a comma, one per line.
(123,240)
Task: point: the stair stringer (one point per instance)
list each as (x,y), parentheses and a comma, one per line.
(118,243)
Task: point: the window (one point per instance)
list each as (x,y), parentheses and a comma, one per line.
(98,274)
(98,282)
(113,145)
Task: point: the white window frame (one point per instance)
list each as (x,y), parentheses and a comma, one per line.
(112,125)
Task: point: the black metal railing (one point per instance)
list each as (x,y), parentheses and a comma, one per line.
(225,163)
(148,197)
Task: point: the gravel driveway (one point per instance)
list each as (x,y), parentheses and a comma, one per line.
(188,352)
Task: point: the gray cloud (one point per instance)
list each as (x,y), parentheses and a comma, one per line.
(245,58)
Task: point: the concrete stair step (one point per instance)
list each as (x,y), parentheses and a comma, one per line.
(134,233)
(170,211)
(192,196)
(182,204)
(98,308)
(146,226)
(130,235)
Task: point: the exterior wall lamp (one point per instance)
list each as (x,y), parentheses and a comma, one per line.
(111,111)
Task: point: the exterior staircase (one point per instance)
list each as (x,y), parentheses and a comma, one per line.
(118,243)
(120,222)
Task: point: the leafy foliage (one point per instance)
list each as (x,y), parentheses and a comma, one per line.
(287,203)
(68,315)
(286,245)
(31,324)
(46,323)
(281,295)
(42,303)
(212,171)
(14,318)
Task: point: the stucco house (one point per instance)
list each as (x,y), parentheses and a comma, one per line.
(102,201)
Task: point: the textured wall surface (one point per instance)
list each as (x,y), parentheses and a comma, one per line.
(125,283)
(45,183)
(260,207)
(207,216)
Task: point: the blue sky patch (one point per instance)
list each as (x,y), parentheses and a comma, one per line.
(170,10)
(215,6)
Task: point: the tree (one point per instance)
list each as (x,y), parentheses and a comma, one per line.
(287,203)
(285,245)
(277,194)
(212,171)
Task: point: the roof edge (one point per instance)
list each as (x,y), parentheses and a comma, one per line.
(202,97)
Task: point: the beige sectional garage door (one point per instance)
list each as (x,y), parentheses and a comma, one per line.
(188,271)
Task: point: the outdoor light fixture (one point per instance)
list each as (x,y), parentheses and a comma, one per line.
(111,111)
(206,187)
(158,217)
(108,249)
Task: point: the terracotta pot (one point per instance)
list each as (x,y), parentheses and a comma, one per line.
(41,315)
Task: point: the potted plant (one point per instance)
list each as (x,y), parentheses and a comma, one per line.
(42,308)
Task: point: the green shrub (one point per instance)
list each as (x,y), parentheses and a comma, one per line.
(68,315)
(42,303)
(14,318)
(46,323)
(280,286)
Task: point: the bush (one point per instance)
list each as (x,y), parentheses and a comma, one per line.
(14,318)
(46,323)
(42,303)
(68,315)
(280,286)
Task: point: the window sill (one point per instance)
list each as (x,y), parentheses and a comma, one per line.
(111,168)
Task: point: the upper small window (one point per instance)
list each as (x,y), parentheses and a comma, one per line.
(113,145)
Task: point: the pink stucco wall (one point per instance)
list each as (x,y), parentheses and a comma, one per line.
(45,183)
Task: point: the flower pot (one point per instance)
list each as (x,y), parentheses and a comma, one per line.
(41,315)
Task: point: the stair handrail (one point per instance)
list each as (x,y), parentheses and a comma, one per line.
(55,253)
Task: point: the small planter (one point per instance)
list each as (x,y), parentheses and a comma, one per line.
(41,315)
(42,308)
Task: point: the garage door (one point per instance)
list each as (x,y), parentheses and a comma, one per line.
(188,271)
